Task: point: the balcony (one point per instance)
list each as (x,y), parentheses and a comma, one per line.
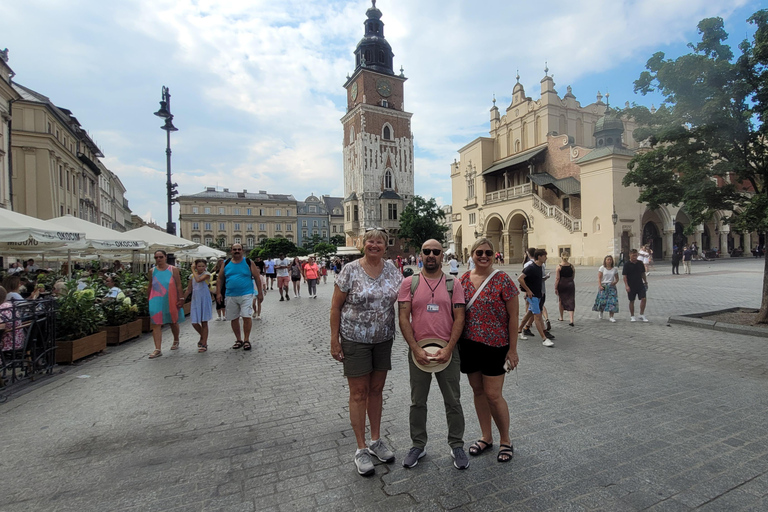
(507,194)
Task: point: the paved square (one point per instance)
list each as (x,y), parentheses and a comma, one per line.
(615,417)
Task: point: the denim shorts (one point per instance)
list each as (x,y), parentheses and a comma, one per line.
(533,305)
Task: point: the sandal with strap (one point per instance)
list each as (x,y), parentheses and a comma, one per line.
(203,348)
(505,453)
(175,345)
(477,449)
(246,345)
(156,353)
(238,344)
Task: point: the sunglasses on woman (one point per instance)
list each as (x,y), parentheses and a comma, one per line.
(479,253)
(427,252)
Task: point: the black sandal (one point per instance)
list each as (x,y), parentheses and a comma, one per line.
(505,453)
(246,345)
(238,344)
(476,449)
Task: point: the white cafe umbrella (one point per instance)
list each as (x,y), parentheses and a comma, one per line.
(99,238)
(157,240)
(22,233)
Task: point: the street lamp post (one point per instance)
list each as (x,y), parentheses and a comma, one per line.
(165,113)
(615,219)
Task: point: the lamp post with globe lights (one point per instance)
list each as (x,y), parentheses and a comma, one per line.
(165,113)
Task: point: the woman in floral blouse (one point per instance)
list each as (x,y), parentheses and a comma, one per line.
(362,332)
(488,346)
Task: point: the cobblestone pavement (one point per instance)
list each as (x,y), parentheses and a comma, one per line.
(617,417)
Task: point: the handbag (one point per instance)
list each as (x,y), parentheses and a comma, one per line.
(477,292)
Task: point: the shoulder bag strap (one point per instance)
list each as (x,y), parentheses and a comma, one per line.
(477,292)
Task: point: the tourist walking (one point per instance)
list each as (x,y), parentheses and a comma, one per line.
(311,275)
(488,345)
(565,288)
(282,266)
(687,257)
(453,264)
(677,255)
(362,333)
(296,273)
(200,311)
(636,284)
(532,281)
(431,317)
(239,275)
(645,257)
(166,300)
(269,267)
(607,296)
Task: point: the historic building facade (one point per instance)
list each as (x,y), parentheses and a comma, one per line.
(550,176)
(312,220)
(378,143)
(56,164)
(7,96)
(224,217)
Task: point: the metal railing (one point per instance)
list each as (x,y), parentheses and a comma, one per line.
(551,211)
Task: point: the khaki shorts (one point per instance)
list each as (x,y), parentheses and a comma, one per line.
(240,306)
(360,359)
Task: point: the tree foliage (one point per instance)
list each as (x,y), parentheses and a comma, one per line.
(707,146)
(422,220)
(274,247)
(338,240)
(323,250)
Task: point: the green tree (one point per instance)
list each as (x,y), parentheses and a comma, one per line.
(323,250)
(422,220)
(273,247)
(708,143)
(338,240)
(310,242)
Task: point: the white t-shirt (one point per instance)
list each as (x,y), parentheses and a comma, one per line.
(282,272)
(643,256)
(454,264)
(608,274)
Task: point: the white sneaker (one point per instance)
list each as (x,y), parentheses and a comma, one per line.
(632,319)
(600,315)
(612,319)
(548,343)
(521,336)
(642,317)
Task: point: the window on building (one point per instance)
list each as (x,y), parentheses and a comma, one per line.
(333,228)
(238,240)
(221,211)
(289,227)
(262,238)
(73,181)
(196,226)
(249,211)
(347,212)
(388,179)
(207,210)
(314,231)
(325,223)
(470,188)
(304,223)
(392,211)
(261,211)
(62,210)
(49,127)
(314,223)
(196,239)
(222,226)
(262,227)
(386,133)
(236,211)
(287,212)
(195,210)
(278,227)
(312,209)
(249,242)
(567,205)
(237,226)
(472,219)
(304,233)
(249,226)
(277,212)
(354,214)
(61,177)
(208,240)
(325,234)
(207,226)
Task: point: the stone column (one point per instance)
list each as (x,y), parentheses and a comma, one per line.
(724,245)
(747,244)
(505,246)
(697,237)
(669,243)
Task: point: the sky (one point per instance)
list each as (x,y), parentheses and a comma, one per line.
(257,85)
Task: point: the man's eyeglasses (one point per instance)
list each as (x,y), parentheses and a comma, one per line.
(487,252)
(427,252)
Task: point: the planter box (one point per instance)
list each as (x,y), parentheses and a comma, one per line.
(116,334)
(146,324)
(70,351)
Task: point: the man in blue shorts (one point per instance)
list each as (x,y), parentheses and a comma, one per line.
(532,281)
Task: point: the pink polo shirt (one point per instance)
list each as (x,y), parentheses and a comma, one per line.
(426,324)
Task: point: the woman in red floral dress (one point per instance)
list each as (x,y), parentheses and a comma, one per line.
(488,346)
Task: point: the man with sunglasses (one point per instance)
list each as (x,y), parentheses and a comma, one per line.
(433,309)
(239,274)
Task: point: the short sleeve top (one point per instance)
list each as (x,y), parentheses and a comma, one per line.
(368,314)
(487,321)
(609,274)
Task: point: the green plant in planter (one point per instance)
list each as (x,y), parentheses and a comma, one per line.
(135,287)
(185,274)
(119,310)
(77,314)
